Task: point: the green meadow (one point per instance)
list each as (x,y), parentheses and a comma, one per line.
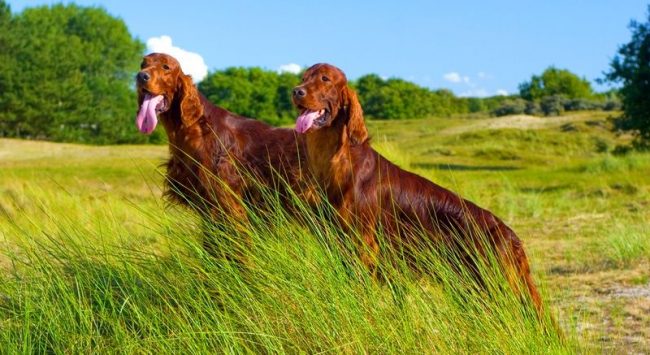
(92,259)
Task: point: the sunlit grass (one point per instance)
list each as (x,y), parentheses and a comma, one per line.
(93,260)
(88,287)
(628,244)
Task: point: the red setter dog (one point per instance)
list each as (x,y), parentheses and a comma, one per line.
(214,153)
(369,192)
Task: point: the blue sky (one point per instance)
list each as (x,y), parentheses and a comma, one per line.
(474,48)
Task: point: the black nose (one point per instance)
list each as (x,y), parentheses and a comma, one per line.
(143,76)
(299,92)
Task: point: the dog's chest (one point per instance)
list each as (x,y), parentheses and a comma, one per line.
(182,181)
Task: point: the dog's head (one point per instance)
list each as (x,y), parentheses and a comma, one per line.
(160,84)
(324,99)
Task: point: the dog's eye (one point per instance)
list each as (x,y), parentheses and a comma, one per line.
(324,78)
(165,66)
(142,65)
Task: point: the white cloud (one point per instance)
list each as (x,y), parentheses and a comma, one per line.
(191,63)
(292,68)
(472,86)
(475,93)
(452,77)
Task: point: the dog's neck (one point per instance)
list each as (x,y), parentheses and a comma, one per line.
(184,140)
(328,154)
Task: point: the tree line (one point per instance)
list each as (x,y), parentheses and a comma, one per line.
(256,92)
(66,74)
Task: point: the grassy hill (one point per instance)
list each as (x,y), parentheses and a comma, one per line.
(91,258)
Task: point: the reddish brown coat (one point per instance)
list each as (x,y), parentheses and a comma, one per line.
(370,192)
(213,152)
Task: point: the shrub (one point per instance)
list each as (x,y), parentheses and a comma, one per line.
(582,105)
(533,108)
(553,105)
(514,106)
(613,105)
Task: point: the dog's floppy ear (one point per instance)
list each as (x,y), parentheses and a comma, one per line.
(357,131)
(191,108)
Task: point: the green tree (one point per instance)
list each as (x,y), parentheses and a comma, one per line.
(553,82)
(252,92)
(7,68)
(76,69)
(631,67)
(368,89)
(493,103)
(475,104)
(397,98)
(284,90)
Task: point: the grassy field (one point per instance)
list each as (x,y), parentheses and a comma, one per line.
(92,259)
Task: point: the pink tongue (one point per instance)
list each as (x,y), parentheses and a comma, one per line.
(146,119)
(306,120)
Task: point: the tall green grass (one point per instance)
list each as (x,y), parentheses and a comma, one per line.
(627,244)
(83,282)
(92,259)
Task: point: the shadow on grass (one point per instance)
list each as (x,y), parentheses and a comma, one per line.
(460,167)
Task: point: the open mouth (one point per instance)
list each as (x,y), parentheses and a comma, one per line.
(147,117)
(311,118)
(162,106)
